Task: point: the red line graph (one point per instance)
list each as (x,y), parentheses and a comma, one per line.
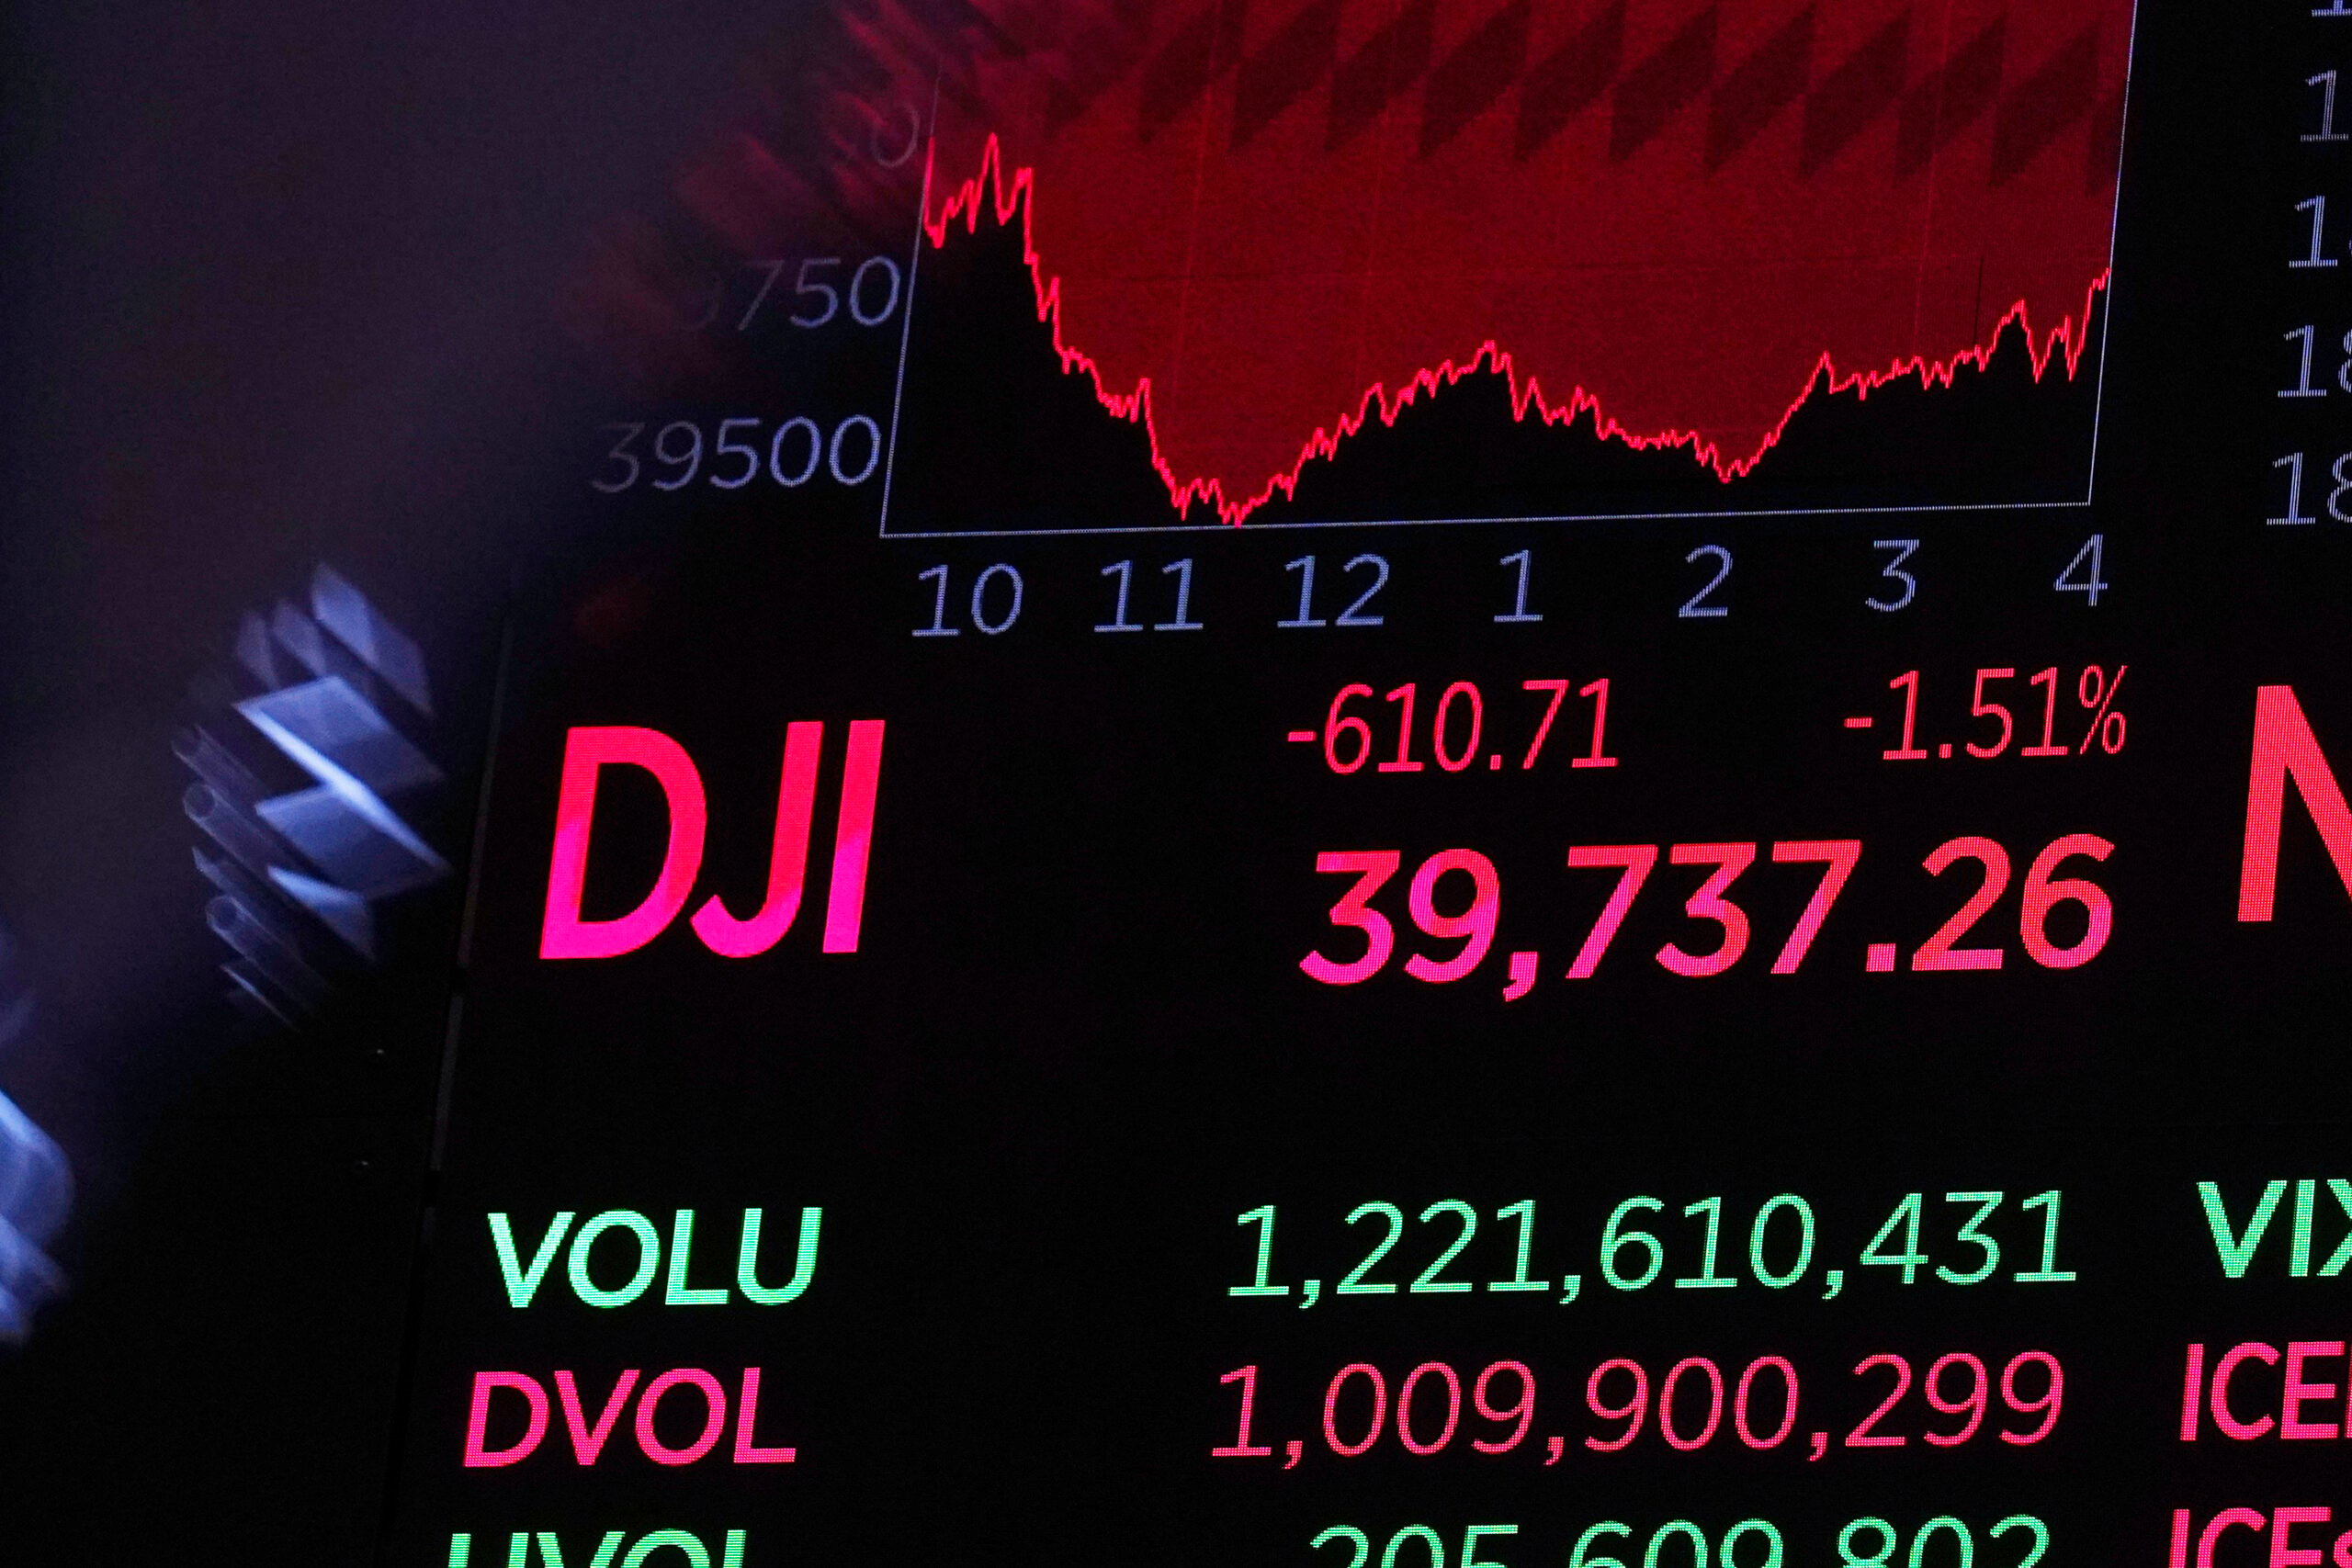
(1688,217)
(1012,201)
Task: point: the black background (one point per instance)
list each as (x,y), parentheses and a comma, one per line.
(1075,1042)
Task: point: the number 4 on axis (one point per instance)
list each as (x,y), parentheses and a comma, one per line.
(2085,574)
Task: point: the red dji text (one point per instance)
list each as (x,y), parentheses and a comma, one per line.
(588,750)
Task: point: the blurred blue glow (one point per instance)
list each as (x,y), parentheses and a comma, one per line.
(36,1183)
(299,872)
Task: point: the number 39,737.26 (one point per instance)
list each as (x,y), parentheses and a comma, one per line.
(2063,921)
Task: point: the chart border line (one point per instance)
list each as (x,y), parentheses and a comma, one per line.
(2090,479)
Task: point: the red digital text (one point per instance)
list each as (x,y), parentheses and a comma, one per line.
(589,750)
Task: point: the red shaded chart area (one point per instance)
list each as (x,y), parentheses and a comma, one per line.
(1255,226)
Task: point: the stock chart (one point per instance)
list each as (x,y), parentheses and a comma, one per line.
(1421,784)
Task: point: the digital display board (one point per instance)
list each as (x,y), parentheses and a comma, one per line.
(1427,783)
